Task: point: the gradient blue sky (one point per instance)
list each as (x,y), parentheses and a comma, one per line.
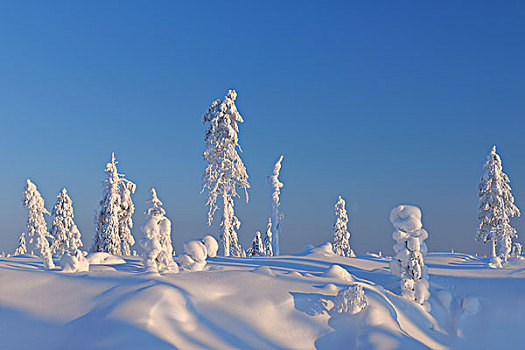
(381,102)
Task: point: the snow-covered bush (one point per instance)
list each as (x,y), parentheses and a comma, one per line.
(211,245)
(496,207)
(225,170)
(341,236)
(66,236)
(157,239)
(194,257)
(351,299)
(113,221)
(102,258)
(268,239)
(21,249)
(257,248)
(277,215)
(410,249)
(36,225)
(74,261)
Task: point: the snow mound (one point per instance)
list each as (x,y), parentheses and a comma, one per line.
(196,250)
(104,258)
(74,262)
(264,270)
(445,298)
(406,218)
(189,264)
(211,245)
(336,271)
(324,249)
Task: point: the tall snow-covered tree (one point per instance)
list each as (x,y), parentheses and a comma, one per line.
(277,215)
(267,240)
(496,207)
(157,238)
(341,236)
(36,224)
(113,221)
(225,171)
(257,248)
(410,248)
(65,233)
(127,208)
(22,248)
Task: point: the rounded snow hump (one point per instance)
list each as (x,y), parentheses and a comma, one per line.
(406,218)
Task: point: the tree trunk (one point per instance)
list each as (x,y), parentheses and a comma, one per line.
(493,247)
(226,223)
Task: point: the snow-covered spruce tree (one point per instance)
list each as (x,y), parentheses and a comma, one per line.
(113,221)
(225,170)
(496,207)
(257,248)
(36,225)
(66,236)
(410,249)
(21,249)
(341,236)
(277,215)
(157,239)
(127,208)
(267,240)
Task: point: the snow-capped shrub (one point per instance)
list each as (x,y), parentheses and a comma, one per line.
(189,264)
(196,250)
(341,236)
(36,225)
(496,207)
(225,171)
(351,299)
(211,245)
(74,262)
(157,239)
(410,248)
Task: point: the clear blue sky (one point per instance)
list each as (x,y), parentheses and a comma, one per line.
(381,102)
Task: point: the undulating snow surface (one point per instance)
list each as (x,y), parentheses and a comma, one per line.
(282,302)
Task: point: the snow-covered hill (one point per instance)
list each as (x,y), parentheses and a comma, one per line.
(281,302)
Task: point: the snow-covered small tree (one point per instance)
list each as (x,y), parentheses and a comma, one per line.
(36,224)
(257,248)
(267,240)
(21,249)
(341,236)
(410,249)
(277,215)
(66,236)
(113,220)
(496,207)
(351,299)
(516,250)
(225,170)
(157,239)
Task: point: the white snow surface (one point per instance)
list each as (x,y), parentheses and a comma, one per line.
(288,303)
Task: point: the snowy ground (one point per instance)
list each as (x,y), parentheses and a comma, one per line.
(259,303)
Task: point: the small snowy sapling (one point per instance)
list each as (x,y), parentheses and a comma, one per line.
(21,249)
(351,299)
(66,236)
(268,239)
(257,248)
